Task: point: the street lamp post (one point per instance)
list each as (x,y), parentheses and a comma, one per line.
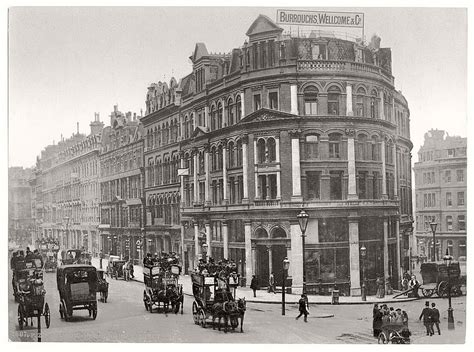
(303,218)
(286,266)
(433,226)
(447,260)
(363,253)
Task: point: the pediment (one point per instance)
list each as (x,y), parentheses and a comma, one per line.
(199,131)
(268,114)
(263,24)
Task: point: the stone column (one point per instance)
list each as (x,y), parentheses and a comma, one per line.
(294,99)
(206,117)
(278,175)
(400,271)
(248,250)
(354,255)
(208,239)
(295,167)
(242,102)
(381,106)
(224,174)
(384,170)
(296,259)
(395,172)
(254,260)
(195,176)
(225,235)
(385,251)
(208,177)
(181,191)
(277,149)
(245,169)
(196,241)
(349,111)
(183,232)
(270,259)
(351,169)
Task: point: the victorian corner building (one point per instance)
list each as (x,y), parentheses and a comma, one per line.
(441,190)
(233,151)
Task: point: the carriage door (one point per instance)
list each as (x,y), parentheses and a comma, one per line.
(262,271)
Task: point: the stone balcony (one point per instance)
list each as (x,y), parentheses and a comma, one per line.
(324,66)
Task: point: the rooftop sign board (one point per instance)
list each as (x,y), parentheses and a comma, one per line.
(320,18)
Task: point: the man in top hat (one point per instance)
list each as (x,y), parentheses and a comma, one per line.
(426,314)
(303,307)
(435,318)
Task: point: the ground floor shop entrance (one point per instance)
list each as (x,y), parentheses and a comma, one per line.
(269,258)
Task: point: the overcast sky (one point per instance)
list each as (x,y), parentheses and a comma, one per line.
(67,63)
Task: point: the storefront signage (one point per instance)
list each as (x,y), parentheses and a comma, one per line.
(320,18)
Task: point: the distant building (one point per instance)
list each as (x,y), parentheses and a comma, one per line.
(67,182)
(121,186)
(20,219)
(282,123)
(441,191)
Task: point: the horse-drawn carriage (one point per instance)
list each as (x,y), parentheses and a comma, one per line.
(162,289)
(395,333)
(436,279)
(115,267)
(77,286)
(76,256)
(49,253)
(214,298)
(102,285)
(30,292)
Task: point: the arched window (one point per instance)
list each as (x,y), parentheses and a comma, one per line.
(361,147)
(373,104)
(375,152)
(335,145)
(312,146)
(219,157)
(239,153)
(185,127)
(261,233)
(278,232)
(213,119)
(271,148)
(261,150)
(360,97)
(152,174)
(213,159)
(158,133)
(333,100)
(201,162)
(230,112)
(219,116)
(238,109)
(310,100)
(160,172)
(231,155)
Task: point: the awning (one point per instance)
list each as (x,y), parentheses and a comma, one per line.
(134,202)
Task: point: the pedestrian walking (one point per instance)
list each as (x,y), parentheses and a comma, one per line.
(435,318)
(254,285)
(427,322)
(380,287)
(377,320)
(271,283)
(303,307)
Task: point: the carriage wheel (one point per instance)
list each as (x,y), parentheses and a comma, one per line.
(195,313)
(47,315)
(21,316)
(383,338)
(202,318)
(427,292)
(442,289)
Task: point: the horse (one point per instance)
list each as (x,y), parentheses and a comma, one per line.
(238,312)
(223,310)
(176,299)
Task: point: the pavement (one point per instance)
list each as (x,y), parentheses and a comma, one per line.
(272,298)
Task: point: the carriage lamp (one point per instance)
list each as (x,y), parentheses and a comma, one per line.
(433,226)
(363,254)
(286,266)
(447,260)
(303,218)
